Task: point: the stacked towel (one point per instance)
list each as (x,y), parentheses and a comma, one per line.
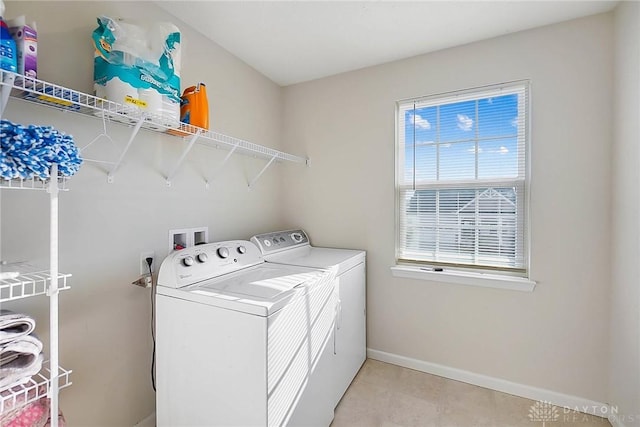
(20,351)
(14,325)
(29,151)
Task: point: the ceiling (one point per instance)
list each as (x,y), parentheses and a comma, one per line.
(297,41)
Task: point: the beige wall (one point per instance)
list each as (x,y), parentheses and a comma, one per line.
(104,321)
(624,386)
(554,338)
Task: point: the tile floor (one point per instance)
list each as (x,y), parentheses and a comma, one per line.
(391,396)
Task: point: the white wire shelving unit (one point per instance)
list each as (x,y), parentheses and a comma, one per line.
(62,98)
(30,285)
(52,377)
(36,388)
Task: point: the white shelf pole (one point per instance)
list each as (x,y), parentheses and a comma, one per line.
(5,90)
(253,181)
(135,131)
(53,295)
(192,141)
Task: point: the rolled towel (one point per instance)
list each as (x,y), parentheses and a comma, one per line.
(14,325)
(19,361)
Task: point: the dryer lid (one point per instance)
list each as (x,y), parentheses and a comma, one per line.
(315,257)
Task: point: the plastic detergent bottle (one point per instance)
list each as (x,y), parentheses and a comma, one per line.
(8,56)
(194,108)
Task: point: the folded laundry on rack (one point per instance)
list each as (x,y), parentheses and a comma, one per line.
(14,325)
(20,359)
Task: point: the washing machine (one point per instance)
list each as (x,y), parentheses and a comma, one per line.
(237,339)
(293,248)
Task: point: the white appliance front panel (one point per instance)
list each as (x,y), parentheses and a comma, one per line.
(297,336)
(211,365)
(351,334)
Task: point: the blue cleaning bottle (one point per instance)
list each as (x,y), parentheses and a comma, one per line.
(8,51)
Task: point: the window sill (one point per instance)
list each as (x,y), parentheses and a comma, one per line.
(465,278)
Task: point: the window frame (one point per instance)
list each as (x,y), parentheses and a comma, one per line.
(522,185)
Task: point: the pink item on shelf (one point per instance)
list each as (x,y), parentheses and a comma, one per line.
(35,414)
(14,399)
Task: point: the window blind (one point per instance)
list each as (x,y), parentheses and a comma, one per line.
(461,178)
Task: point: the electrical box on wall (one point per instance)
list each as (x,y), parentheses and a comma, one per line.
(187,237)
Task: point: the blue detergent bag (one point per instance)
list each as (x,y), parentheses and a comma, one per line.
(8,50)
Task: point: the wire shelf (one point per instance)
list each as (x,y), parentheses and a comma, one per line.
(32,184)
(36,388)
(62,98)
(29,284)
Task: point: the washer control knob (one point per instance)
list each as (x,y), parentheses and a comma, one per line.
(242,250)
(187,261)
(223,252)
(202,257)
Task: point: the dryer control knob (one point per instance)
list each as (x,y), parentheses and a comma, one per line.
(223,252)
(187,261)
(202,257)
(242,250)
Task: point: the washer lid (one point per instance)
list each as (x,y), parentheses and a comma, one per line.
(266,282)
(261,290)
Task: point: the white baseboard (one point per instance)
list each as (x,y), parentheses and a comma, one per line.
(534,393)
(150,421)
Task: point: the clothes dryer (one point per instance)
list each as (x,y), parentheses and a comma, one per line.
(292,247)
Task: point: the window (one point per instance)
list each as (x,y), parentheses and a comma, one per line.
(461,179)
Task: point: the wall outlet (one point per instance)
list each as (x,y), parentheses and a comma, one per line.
(144,267)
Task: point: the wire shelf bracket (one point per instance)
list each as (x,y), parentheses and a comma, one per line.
(222,164)
(254,180)
(188,148)
(134,133)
